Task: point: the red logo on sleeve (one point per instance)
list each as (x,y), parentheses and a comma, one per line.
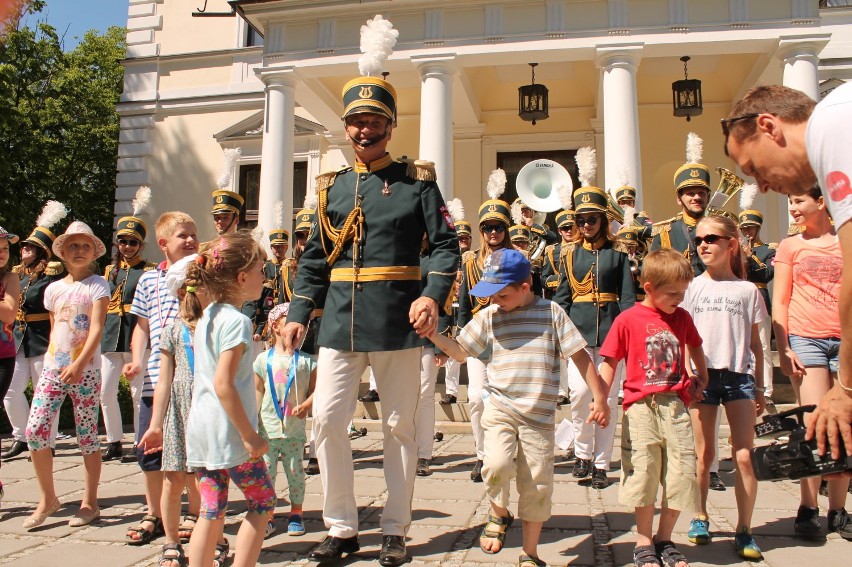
(837,185)
(448,218)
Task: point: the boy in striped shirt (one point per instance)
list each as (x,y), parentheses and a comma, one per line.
(524,337)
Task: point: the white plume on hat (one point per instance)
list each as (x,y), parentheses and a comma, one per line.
(257,234)
(629,215)
(694,148)
(176,274)
(496,184)
(566,197)
(747,194)
(378,39)
(456,209)
(311,199)
(517,212)
(624,176)
(587,165)
(141,201)
(52,213)
(228,166)
(278,215)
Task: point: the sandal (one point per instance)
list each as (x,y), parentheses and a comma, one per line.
(145,536)
(220,559)
(527,561)
(646,555)
(186,526)
(669,554)
(172,556)
(498,531)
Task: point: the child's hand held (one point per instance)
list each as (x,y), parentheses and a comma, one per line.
(256,445)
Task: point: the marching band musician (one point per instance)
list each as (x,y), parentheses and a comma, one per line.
(625,196)
(628,237)
(279,243)
(452,368)
(595,286)
(550,267)
(363,262)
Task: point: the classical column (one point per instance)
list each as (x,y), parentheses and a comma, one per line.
(800,55)
(276,172)
(621,114)
(436,117)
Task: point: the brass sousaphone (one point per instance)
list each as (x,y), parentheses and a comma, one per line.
(538,185)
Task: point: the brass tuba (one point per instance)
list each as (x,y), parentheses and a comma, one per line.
(537,185)
(729,184)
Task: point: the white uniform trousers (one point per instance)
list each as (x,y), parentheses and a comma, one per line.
(372,382)
(111,365)
(452,370)
(477,376)
(765,330)
(338,375)
(590,440)
(15,402)
(424,415)
(564,386)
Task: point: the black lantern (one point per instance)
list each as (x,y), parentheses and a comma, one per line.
(686,95)
(532,100)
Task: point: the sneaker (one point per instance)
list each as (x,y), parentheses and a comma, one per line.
(599,479)
(370,396)
(270,529)
(423,467)
(716,482)
(807,523)
(839,522)
(582,468)
(699,531)
(476,473)
(745,545)
(447,399)
(295,526)
(312,467)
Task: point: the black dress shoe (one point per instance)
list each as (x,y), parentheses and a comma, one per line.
(423,468)
(312,467)
(334,548)
(131,456)
(111,451)
(370,396)
(716,482)
(476,473)
(15,449)
(447,399)
(561,400)
(582,468)
(393,551)
(599,479)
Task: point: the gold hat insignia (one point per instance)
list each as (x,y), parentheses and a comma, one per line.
(306,218)
(366,92)
(694,173)
(131,224)
(587,198)
(492,208)
(220,199)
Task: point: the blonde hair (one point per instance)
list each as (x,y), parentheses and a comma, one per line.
(729,229)
(665,266)
(168,222)
(217,266)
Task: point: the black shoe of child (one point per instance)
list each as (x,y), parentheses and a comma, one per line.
(312,468)
(582,468)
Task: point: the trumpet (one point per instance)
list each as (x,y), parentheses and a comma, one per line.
(729,184)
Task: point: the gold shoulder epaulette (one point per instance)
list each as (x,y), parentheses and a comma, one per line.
(467,256)
(419,169)
(567,249)
(18,269)
(663,226)
(619,246)
(54,268)
(149,266)
(326,180)
(549,249)
(289,262)
(772,245)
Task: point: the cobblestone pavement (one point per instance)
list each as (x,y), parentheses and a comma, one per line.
(588,526)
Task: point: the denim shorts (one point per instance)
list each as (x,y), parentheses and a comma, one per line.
(726,386)
(151,462)
(817,352)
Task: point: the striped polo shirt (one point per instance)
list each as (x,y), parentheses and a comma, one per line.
(526,345)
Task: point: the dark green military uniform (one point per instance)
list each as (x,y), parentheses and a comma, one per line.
(32,325)
(367,287)
(119,325)
(761,269)
(550,269)
(677,233)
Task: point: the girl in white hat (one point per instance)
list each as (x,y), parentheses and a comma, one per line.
(77,304)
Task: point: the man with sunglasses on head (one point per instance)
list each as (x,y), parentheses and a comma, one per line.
(692,183)
(788,143)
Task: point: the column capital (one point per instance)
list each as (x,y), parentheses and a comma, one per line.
(807,47)
(619,54)
(439,64)
(280,77)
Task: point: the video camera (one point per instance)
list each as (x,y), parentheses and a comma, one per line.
(796,458)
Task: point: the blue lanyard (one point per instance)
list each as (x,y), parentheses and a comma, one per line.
(281,408)
(190,352)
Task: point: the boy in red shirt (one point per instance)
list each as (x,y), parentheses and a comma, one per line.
(658,446)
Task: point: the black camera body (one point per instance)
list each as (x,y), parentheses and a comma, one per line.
(796,458)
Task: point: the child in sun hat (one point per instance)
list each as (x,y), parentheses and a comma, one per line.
(77,304)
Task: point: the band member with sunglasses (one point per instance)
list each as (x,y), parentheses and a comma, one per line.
(121,276)
(692,183)
(595,285)
(494,215)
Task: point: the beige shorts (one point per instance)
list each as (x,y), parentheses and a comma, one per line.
(658,447)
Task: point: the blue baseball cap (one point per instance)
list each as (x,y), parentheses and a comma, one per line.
(503,267)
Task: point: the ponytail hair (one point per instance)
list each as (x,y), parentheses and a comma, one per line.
(217,266)
(728,228)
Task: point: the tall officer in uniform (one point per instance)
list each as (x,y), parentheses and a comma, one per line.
(692,183)
(363,262)
(761,270)
(122,277)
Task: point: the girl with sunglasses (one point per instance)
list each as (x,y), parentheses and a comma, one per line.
(595,286)
(727,310)
(806,319)
(122,276)
(494,215)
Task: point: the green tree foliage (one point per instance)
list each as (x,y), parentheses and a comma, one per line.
(58,124)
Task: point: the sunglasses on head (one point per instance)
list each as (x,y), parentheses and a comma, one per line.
(493,228)
(709,239)
(727,122)
(126,242)
(591,221)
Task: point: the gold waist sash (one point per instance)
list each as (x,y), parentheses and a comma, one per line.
(375,274)
(597,298)
(761,286)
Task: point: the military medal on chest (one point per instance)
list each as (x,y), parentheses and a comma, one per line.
(386,191)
